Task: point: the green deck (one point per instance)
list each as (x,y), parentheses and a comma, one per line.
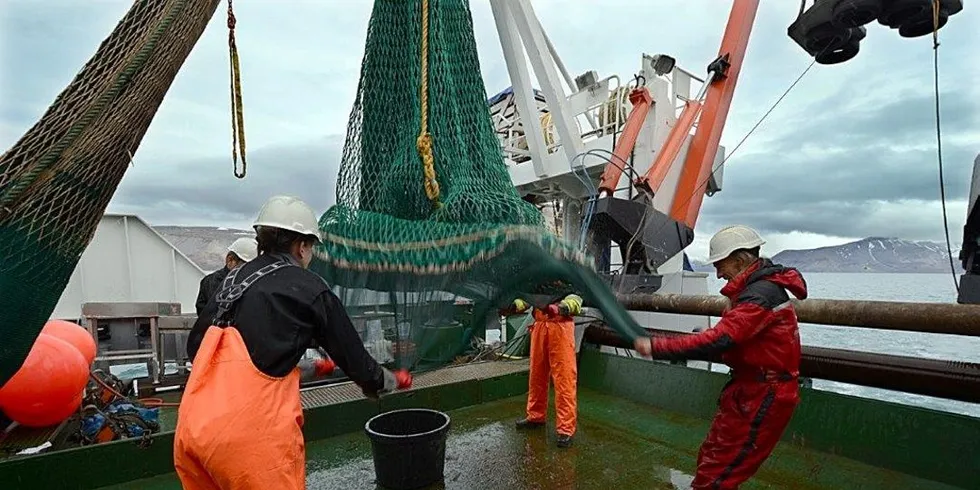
(619,442)
(640,427)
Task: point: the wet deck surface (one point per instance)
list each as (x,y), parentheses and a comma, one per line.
(620,444)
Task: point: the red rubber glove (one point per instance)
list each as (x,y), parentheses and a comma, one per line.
(324,367)
(643,345)
(404,379)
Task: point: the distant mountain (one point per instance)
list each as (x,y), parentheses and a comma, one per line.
(874,254)
(205,245)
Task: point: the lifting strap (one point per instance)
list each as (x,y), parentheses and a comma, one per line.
(424,141)
(230,293)
(237,115)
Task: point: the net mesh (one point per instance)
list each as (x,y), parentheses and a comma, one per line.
(422,255)
(423,266)
(57,180)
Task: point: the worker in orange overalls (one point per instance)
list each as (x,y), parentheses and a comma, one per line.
(240,420)
(552,358)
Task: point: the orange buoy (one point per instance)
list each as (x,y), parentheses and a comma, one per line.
(75,335)
(48,387)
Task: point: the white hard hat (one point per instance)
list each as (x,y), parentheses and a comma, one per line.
(246,248)
(288,213)
(730,239)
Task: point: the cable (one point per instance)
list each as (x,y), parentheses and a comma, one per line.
(150,402)
(727,157)
(939,137)
(625,165)
(586,180)
(593,192)
(763,118)
(636,234)
(739,145)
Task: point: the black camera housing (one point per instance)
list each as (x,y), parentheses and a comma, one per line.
(832,30)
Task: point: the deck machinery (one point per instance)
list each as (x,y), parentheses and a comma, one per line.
(630,160)
(602,158)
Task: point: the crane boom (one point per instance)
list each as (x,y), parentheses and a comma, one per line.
(642,101)
(723,75)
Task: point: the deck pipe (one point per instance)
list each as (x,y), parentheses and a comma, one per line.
(944,379)
(945,318)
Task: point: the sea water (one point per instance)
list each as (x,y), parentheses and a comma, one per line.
(924,288)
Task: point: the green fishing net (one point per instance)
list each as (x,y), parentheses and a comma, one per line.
(57,180)
(420,279)
(423,272)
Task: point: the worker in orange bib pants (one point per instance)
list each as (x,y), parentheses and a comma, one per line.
(239,426)
(552,358)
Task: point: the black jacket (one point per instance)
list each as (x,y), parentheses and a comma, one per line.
(282,314)
(209,287)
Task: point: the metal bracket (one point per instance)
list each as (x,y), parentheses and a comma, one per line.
(655,237)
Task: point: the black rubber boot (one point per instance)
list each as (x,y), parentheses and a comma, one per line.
(564,441)
(527,424)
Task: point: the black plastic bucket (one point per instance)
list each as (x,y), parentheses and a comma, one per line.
(409,447)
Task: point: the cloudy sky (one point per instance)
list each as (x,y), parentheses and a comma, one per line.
(849,153)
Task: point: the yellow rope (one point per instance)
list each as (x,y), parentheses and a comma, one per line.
(424,141)
(237,115)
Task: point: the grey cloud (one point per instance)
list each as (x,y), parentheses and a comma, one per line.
(907,117)
(855,174)
(832,172)
(41,51)
(838,191)
(862,155)
(846,219)
(825,174)
(205,191)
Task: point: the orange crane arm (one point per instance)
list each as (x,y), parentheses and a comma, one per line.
(651,180)
(721,88)
(642,101)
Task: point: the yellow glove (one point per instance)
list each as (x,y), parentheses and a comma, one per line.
(520,305)
(571,305)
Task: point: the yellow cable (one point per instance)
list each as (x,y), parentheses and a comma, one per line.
(424,141)
(237,114)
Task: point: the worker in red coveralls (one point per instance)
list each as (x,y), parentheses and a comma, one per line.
(552,358)
(759,338)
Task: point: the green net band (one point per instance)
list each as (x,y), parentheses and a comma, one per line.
(450,248)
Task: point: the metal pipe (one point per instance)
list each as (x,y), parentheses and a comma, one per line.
(946,318)
(324,382)
(173,264)
(690,74)
(129,256)
(943,379)
(564,71)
